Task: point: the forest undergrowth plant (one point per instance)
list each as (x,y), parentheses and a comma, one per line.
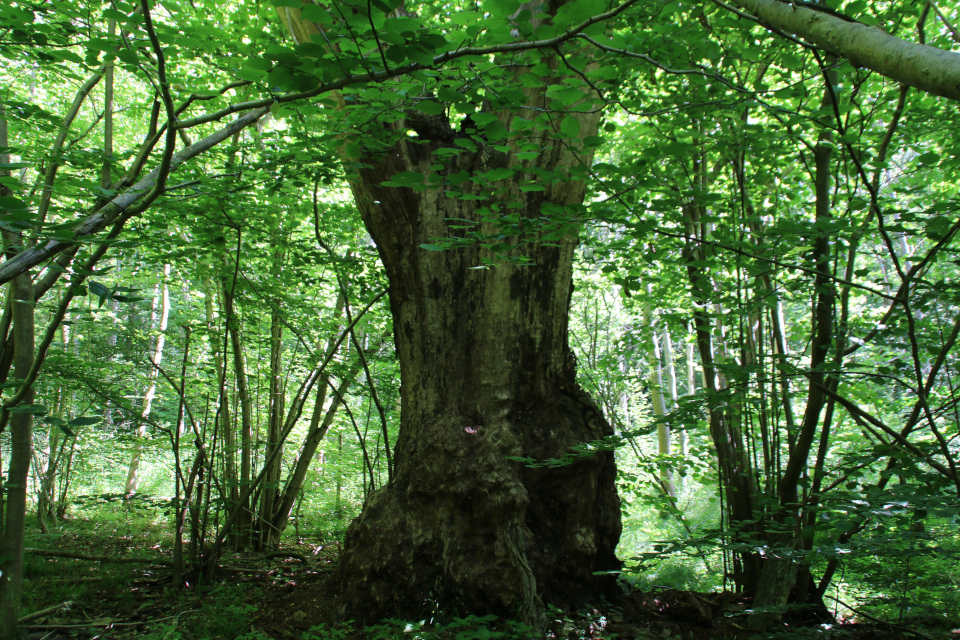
(470,627)
(223,612)
(904,570)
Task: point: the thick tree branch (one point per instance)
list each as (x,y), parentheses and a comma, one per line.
(927,68)
(122,203)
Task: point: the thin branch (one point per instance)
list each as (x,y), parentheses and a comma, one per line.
(580,73)
(946,21)
(51,173)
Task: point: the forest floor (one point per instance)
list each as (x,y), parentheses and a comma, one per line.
(287,595)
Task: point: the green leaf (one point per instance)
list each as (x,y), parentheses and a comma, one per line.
(9,203)
(570,127)
(431,107)
(249,73)
(35,409)
(432,247)
(98,289)
(495,131)
(501,173)
(449,95)
(85,422)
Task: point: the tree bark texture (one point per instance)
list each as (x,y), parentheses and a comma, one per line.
(486,374)
(486,369)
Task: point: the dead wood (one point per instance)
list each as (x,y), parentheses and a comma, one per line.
(80,556)
(285,554)
(44,612)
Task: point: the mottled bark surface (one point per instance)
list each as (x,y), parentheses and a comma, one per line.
(486,374)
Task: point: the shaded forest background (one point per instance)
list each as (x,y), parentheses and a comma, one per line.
(198,344)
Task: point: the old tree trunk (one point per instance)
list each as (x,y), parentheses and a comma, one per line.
(486,369)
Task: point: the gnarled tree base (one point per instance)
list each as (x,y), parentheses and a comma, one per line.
(464,530)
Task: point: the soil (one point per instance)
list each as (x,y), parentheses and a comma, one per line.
(285,594)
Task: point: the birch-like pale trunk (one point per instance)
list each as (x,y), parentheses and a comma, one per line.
(657,398)
(133,472)
(670,371)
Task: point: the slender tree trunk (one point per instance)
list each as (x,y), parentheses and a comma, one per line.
(270,486)
(230,479)
(780,567)
(21,445)
(133,473)
(106,171)
(65,481)
(47,492)
(735,470)
(659,401)
(338,497)
(320,423)
(671,383)
(245,520)
(179,481)
(691,386)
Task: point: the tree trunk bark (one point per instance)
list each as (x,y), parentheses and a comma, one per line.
(21,445)
(487,374)
(486,370)
(270,488)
